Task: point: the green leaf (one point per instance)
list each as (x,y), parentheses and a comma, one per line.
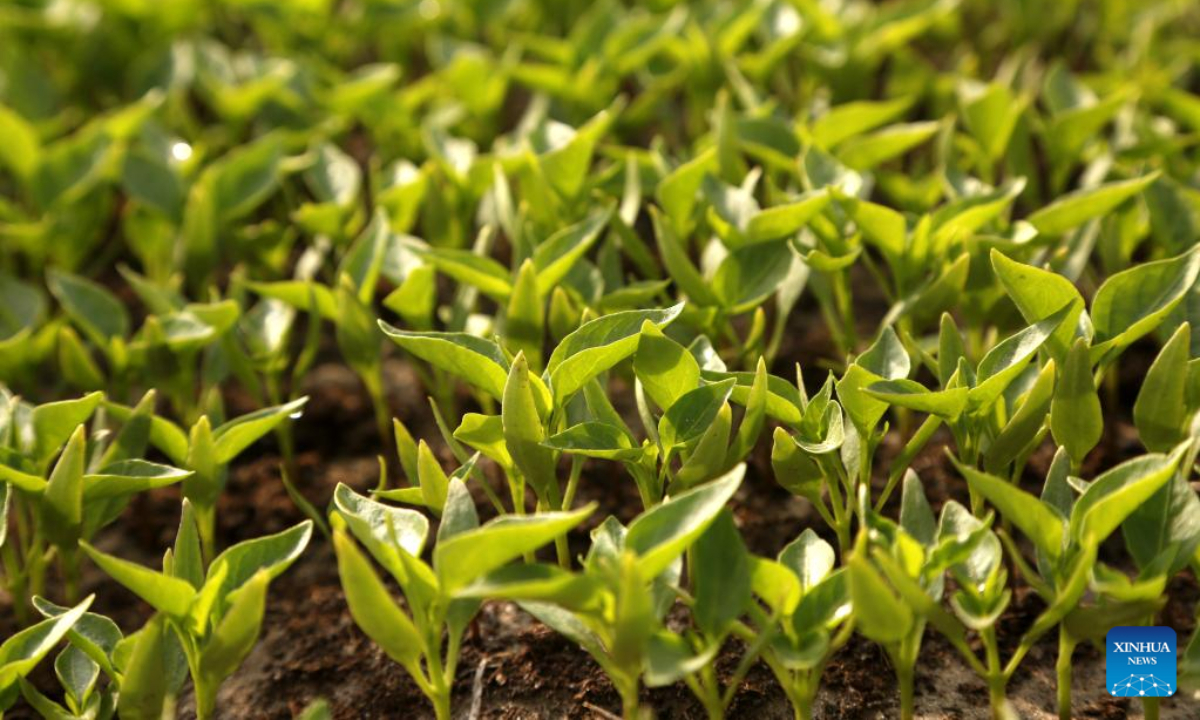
(783,401)
(433,481)
(524,432)
(678,265)
(1076,208)
(810,558)
(524,322)
(169,595)
(558,254)
(1160,411)
(1039,521)
(459,515)
(886,357)
(1038,294)
(478,361)
(864,409)
(472,554)
(21,652)
(720,575)
(782,221)
(866,151)
(750,274)
(376,525)
(236,634)
(1024,425)
(597,346)
(1115,494)
(470,268)
(666,369)
(1005,361)
(300,294)
(485,433)
(915,396)
(372,607)
(272,554)
(231,438)
(686,420)
(855,118)
(663,533)
(566,165)
(62,502)
(677,192)
(127,477)
(596,440)
(144,686)
(879,613)
(22,149)
(881,225)
(54,422)
(1168,521)
(916,517)
(1076,419)
(1132,303)
(187,562)
(991,113)
(245,177)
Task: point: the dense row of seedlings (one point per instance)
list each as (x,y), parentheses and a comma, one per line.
(984,234)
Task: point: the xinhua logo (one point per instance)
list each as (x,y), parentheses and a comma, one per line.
(1140,661)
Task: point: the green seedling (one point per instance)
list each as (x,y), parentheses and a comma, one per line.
(426,636)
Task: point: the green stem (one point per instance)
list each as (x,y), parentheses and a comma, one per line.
(995,677)
(69,566)
(804,699)
(1150,708)
(206,699)
(302,502)
(16,584)
(629,698)
(206,521)
(904,676)
(572,483)
(383,414)
(1063,670)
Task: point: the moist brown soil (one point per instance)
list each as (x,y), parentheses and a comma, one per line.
(513,667)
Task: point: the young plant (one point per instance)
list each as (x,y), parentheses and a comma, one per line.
(86,488)
(178,349)
(803,617)
(273,371)
(896,579)
(348,306)
(95,646)
(214,615)
(426,637)
(24,650)
(1066,533)
(206,453)
(614,607)
(691,439)
(533,408)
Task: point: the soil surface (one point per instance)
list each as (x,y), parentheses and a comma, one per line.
(513,667)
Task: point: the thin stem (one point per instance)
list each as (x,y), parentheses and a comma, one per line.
(206,520)
(383,414)
(904,676)
(15,583)
(1150,708)
(1063,670)
(996,681)
(302,502)
(69,565)
(572,483)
